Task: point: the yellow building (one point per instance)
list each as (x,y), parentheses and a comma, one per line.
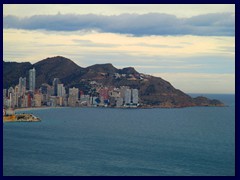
(37,100)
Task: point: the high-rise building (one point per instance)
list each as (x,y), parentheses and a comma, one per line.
(32,79)
(127,96)
(12,100)
(122,91)
(10,90)
(22,85)
(73,96)
(131,97)
(61,90)
(134,96)
(56,81)
(29,99)
(4,93)
(17,94)
(37,100)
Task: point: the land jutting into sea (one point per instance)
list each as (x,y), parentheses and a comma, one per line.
(59,82)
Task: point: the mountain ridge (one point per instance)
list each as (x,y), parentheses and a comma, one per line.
(153,91)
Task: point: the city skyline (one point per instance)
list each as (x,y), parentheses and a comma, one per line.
(195,52)
(20,96)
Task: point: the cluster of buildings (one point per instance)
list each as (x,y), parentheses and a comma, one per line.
(56,94)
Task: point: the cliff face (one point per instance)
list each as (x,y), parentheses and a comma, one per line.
(153,91)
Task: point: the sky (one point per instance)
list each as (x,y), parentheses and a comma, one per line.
(191,46)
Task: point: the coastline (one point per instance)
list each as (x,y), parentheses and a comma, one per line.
(141,107)
(35,108)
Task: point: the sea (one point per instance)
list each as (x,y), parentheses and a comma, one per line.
(193,141)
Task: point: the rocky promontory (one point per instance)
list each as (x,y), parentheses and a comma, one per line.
(153,91)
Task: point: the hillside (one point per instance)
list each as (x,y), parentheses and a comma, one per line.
(153,91)
(56,67)
(12,71)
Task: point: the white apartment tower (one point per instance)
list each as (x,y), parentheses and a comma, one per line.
(127,96)
(22,85)
(32,79)
(61,90)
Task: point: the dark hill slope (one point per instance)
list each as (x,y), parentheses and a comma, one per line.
(12,71)
(57,67)
(153,91)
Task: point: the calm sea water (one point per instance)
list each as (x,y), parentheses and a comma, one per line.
(100,141)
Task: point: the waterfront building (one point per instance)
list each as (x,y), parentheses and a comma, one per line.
(65,100)
(23,101)
(37,100)
(135,96)
(22,84)
(45,98)
(112,101)
(61,90)
(32,79)
(56,81)
(84,100)
(119,102)
(16,95)
(4,93)
(122,91)
(11,98)
(4,97)
(74,92)
(114,93)
(73,96)
(72,101)
(10,90)
(52,101)
(127,96)
(29,99)
(103,93)
(6,102)
(60,101)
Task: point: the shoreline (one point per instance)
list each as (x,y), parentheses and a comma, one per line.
(142,107)
(35,108)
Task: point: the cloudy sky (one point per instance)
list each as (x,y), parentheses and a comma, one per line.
(191,46)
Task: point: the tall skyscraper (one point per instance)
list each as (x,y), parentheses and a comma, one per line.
(22,85)
(127,96)
(32,79)
(56,81)
(134,96)
(61,90)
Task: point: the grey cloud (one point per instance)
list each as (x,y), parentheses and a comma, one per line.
(217,24)
(88,43)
